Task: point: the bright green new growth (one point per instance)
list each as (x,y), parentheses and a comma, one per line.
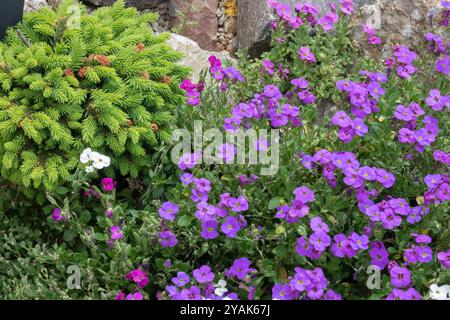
(102,81)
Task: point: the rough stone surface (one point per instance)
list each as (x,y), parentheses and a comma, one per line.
(398,21)
(194,56)
(33,5)
(197,20)
(403,21)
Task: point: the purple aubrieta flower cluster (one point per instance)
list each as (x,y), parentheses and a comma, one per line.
(309,12)
(437,101)
(438,188)
(372,37)
(436,44)
(273,105)
(299,206)
(419,137)
(419,252)
(225,76)
(201,285)
(363,98)
(193,91)
(305,284)
(402,60)
(228,212)
(442,157)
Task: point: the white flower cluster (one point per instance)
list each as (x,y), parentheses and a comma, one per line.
(439,293)
(96,160)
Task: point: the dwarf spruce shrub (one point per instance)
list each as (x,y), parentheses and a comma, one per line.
(71,80)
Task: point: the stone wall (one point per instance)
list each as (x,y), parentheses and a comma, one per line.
(205,21)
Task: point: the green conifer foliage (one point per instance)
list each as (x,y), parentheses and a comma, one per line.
(104,81)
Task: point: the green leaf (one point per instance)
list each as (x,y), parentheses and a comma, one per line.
(185,221)
(69,235)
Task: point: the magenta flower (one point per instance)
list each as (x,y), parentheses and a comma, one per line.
(116,234)
(139,277)
(57,215)
(108,184)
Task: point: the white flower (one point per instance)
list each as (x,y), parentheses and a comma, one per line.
(439,293)
(94,155)
(101,162)
(89,169)
(220,288)
(227,298)
(85,155)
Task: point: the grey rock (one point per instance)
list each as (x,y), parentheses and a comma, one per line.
(194,56)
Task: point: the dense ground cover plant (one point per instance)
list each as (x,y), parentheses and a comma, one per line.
(70,80)
(362,185)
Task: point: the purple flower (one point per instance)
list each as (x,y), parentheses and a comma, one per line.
(304,194)
(269,66)
(400,277)
(282,292)
(187,178)
(301,83)
(359,126)
(181,279)
(134,296)
(435,101)
(389,219)
(193,293)
(187,161)
(203,185)
(168,239)
(443,65)
(115,233)
(203,274)
(305,54)
(239,204)
(444,259)
(230,227)
(379,255)
(433,180)
(404,113)
(341,119)
(320,240)
(346,134)
(209,229)
(300,282)
(318,225)
(359,241)
(240,269)
(169,211)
